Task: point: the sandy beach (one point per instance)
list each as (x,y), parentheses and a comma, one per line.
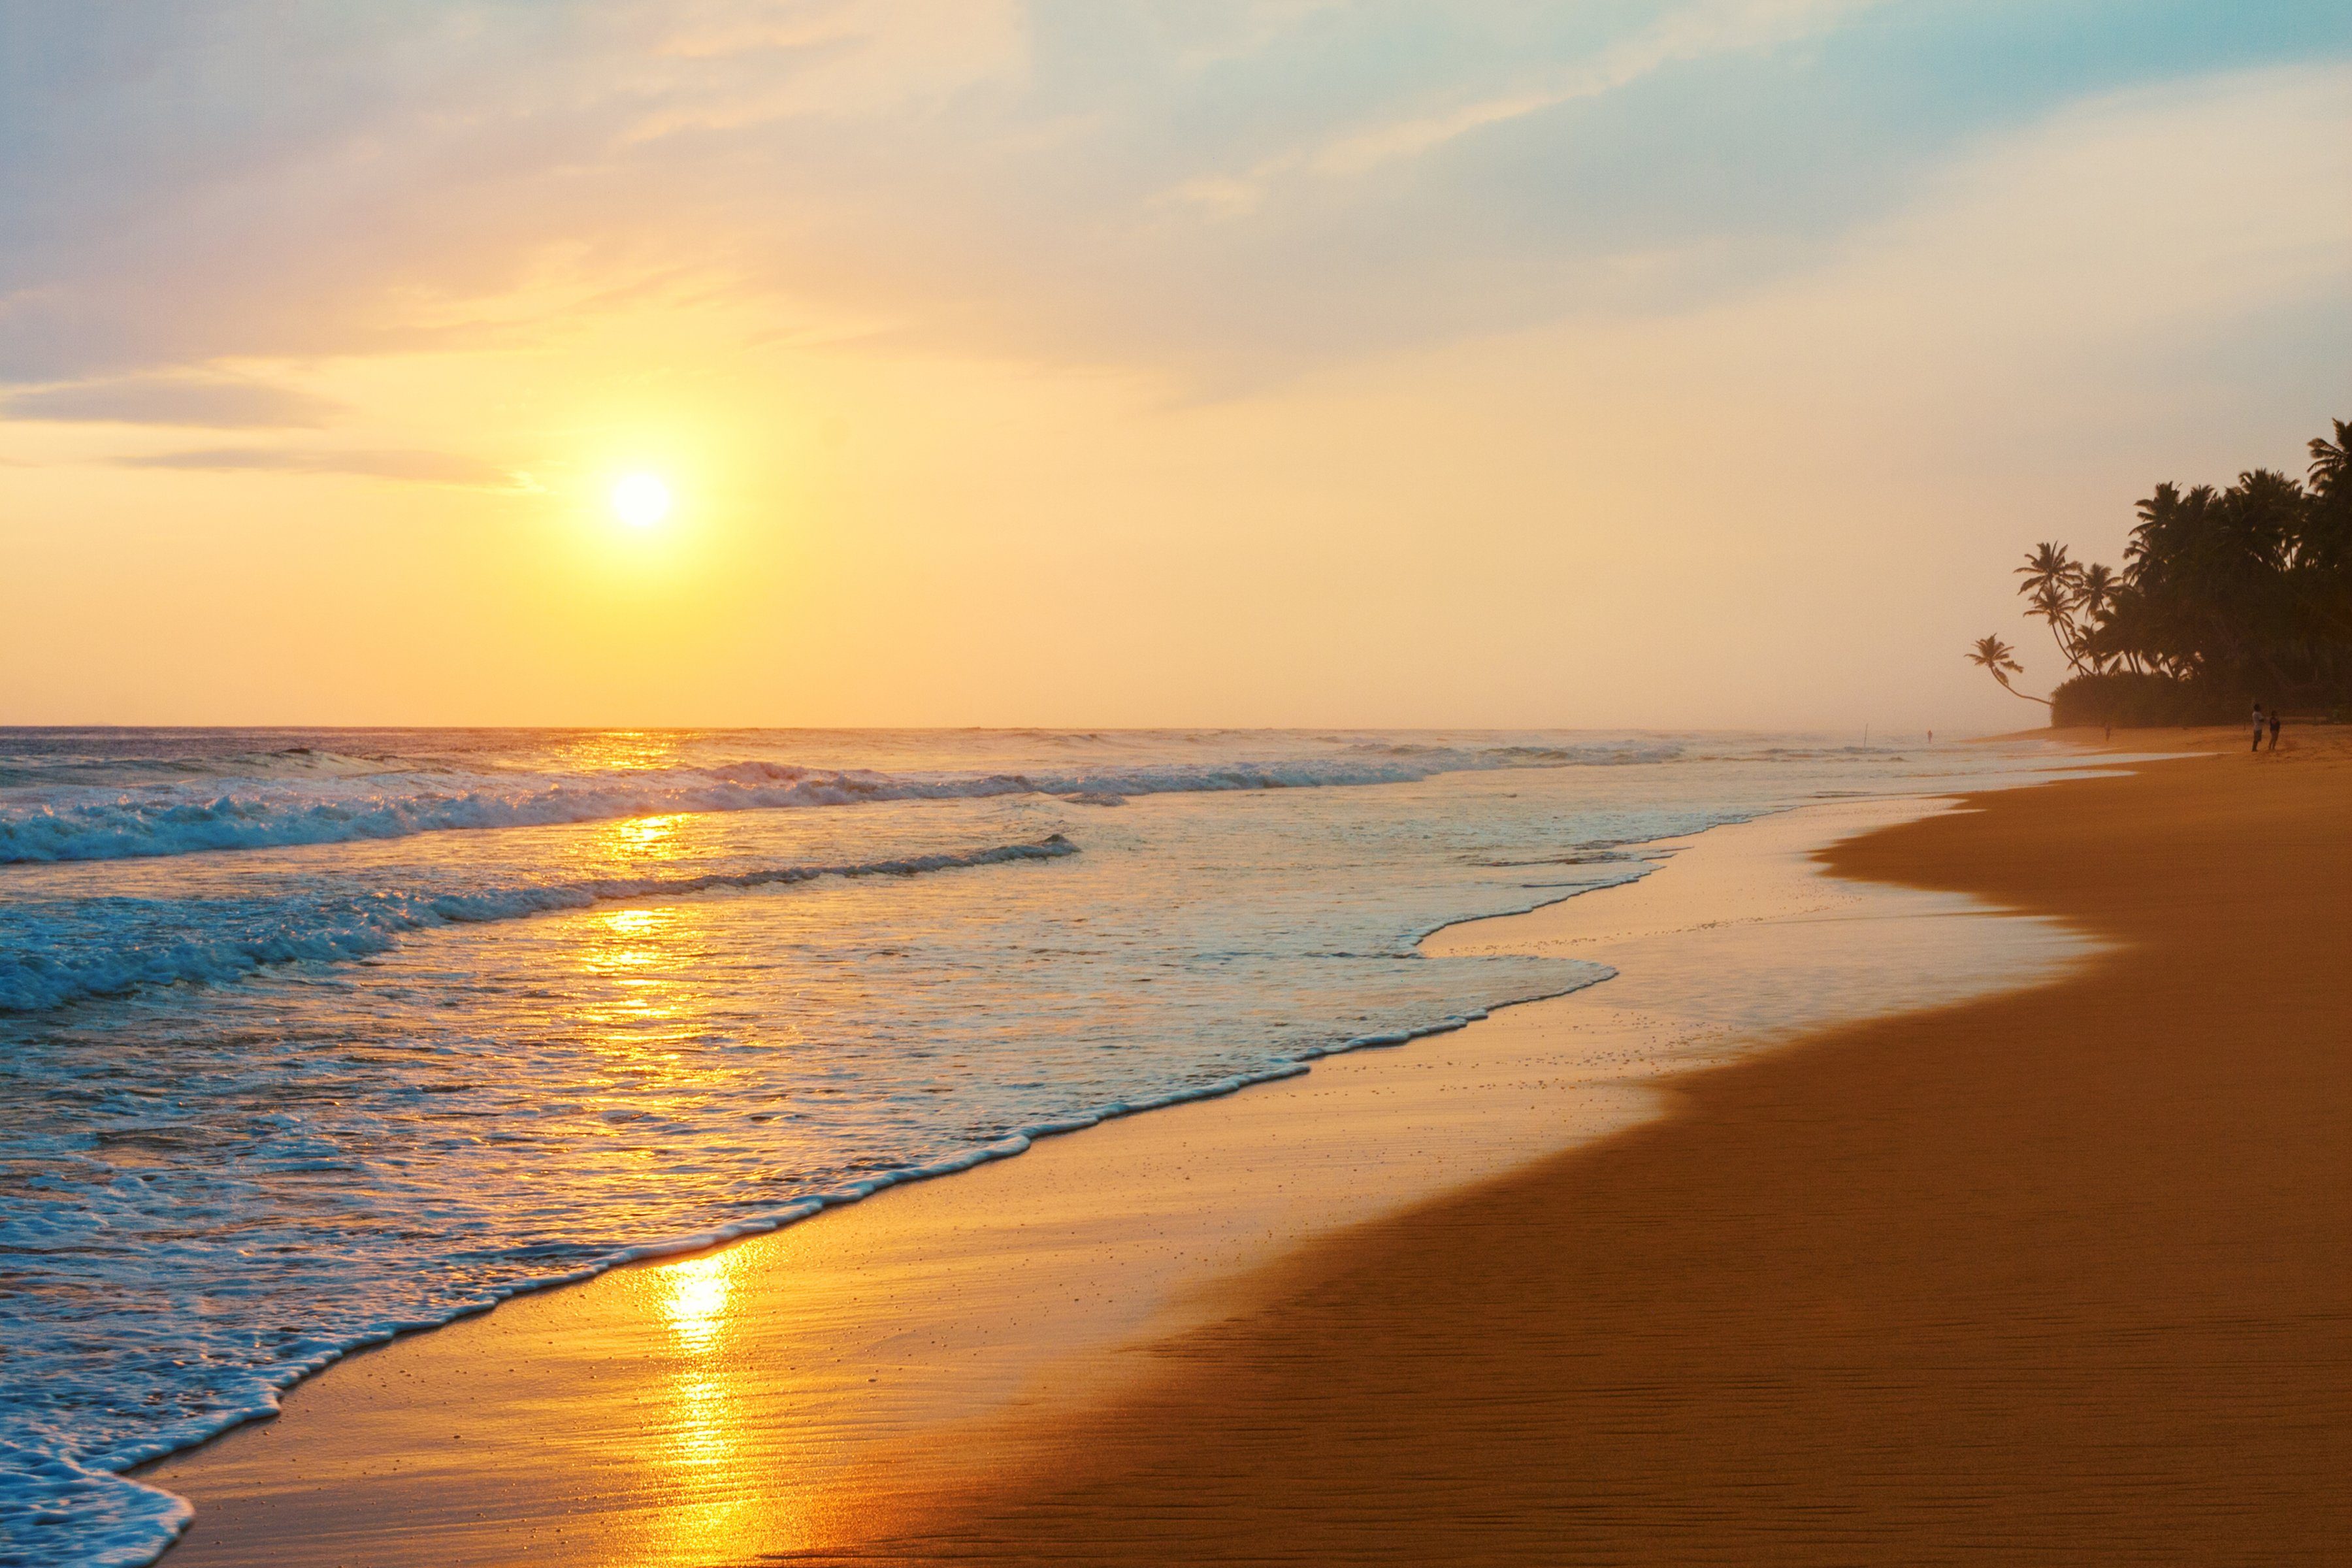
(2055,1275)
(1267,783)
(1853,1222)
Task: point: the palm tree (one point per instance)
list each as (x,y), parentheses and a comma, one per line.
(2095,590)
(2056,605)
(2000,659)
(2221,591)
(2051,581)
(2331,461)
(2046,564)
(2328,529)
(2327,546)
(2094,600)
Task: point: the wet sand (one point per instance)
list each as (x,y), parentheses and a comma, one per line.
(2063,1275)
(895,1364)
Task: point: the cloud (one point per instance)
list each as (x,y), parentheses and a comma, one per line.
(842,59)
(2187,208)
(171,400)
(1238,192)
(1687,33)
(414,467)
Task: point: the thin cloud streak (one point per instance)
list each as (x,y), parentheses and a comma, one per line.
(1694,33)
(408,467)
(215,405)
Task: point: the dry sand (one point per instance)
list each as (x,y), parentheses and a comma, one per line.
(2055,1275)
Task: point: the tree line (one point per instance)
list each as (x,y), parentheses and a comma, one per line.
(2225,597)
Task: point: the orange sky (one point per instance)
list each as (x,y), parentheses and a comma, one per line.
(1295,366)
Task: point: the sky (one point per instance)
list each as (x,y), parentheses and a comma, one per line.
(1674,363)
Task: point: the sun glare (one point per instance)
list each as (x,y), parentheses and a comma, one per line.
(641,500)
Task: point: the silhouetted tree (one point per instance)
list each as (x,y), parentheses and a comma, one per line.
(2095,598)
(2223,592)
(2001,659)
(2052,579)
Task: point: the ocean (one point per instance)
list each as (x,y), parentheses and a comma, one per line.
(308,1037)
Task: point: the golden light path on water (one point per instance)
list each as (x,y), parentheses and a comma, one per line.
(633,950)
(702,1447)
(698,1449)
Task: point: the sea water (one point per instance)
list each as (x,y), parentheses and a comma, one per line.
(309,1038)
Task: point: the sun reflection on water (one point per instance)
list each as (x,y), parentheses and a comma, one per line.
(704,1449)
(630,924)
(641,838)
(627,948)
(625,751)
(696,1300)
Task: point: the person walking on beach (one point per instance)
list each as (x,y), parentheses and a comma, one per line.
(2275,722)
(2258,726)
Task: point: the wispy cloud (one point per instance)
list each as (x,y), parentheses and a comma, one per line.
(218,404)
(847,59)
(1032,181)
(412,467)
(1687,33)
(1694,32)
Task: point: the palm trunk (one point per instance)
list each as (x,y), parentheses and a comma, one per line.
(2013,691)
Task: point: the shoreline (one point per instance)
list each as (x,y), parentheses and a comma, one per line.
(134,1464)
(2058,1274)
(238,1489)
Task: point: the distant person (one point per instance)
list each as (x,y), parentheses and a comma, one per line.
(2258,726)
(2275,721)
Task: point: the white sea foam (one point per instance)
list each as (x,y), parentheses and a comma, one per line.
(117,1521)
(50,955)
(100,822)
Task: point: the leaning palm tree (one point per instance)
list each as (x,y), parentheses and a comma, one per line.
(2000,659)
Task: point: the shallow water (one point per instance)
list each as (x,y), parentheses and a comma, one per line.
(310,1036)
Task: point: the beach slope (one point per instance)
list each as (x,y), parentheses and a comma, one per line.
(2061,1276)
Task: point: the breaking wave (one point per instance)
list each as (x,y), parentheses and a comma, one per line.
(55,952)
(79,822)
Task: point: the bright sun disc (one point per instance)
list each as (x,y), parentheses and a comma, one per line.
(641,500)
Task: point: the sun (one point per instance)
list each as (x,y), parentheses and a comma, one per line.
(641,500)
